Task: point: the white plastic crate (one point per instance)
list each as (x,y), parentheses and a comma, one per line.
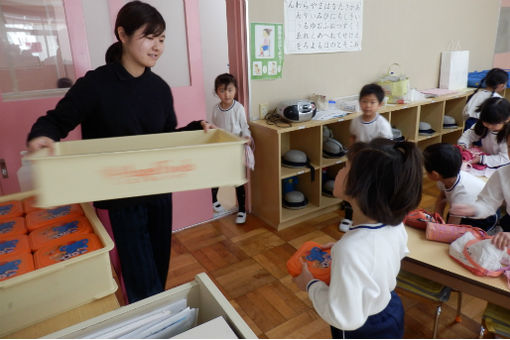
(200,293)
(48,291)
(108,168)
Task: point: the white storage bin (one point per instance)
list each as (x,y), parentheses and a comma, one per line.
(48,291)
(108,168)
(200,293)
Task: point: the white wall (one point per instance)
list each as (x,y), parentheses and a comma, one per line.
(410,32)
(213,28)
(99,30)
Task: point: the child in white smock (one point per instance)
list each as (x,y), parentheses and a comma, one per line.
(383,182)
(230,116)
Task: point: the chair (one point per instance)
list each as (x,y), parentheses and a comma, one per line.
(496,320)
(418,286)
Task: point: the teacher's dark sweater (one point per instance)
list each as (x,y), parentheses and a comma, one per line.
(110,102)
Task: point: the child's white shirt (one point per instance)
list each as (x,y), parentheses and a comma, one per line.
(232,119)
(366,131)
(497,153)
(495,191)
(475,101)
(365,264)
(465,189)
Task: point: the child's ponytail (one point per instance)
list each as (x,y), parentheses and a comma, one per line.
(385,179)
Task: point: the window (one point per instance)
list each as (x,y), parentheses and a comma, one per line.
(35,54)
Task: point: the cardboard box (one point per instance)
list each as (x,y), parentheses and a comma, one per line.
(46,292)
(200,293)
(108,168)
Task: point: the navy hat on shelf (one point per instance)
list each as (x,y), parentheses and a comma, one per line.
(294,200)
(327,187)
(333,149)
(425,129)
(449,122)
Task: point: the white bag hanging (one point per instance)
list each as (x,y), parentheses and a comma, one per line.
(454,68)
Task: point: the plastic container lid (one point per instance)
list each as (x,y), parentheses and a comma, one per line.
(318,261)
(15,265)
(15,245)
(45,217)
(75,245)
(10,209)
(13,226)
(59,232)
(29,204)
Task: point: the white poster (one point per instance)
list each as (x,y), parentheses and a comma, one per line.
(323,26)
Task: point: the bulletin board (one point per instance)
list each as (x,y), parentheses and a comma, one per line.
(323,26)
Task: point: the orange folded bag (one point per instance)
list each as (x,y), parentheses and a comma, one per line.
(14,245)
(15,265)
(10,209)
(58,232)
(29,204)
(12,226)
(317,259)
(75,245)
(45,217)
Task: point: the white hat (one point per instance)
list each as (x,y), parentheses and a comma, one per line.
(426,129)
(449,122)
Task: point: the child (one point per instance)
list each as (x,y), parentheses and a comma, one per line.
(370,124)
(494,114)
(229,115)
(383,182)
(103,103)
(495,192)
(366,127)
(495,81)
(442,163)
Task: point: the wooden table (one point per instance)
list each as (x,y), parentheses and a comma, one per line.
(430,259)
(69,318)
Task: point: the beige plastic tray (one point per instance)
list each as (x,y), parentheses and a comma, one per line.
(48,291)
(201,293)
(107,168)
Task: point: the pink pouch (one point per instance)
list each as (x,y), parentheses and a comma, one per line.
(418,218)
(449,232)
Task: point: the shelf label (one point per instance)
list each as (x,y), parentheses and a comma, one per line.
(301,127)
(340,161)
(340,120)
(301,172)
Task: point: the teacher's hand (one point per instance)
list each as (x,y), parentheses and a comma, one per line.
(39,143)
(501,240)
(206,125)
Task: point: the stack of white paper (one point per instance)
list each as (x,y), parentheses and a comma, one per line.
(163,322)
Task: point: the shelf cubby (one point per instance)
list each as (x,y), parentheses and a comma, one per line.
(272,142)
(406,120)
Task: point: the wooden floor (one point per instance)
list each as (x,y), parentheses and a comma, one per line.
(247,263)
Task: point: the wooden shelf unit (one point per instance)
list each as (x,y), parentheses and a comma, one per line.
(272,142)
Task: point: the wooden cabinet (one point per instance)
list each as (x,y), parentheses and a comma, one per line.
(272,142)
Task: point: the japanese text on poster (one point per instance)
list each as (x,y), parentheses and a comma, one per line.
(321,26)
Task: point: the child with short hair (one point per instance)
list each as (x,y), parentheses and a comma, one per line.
(229,115)
(495,81)
(383,182)
(370,124)
(364,128)
(443,162)
(494,114)
(492,196)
